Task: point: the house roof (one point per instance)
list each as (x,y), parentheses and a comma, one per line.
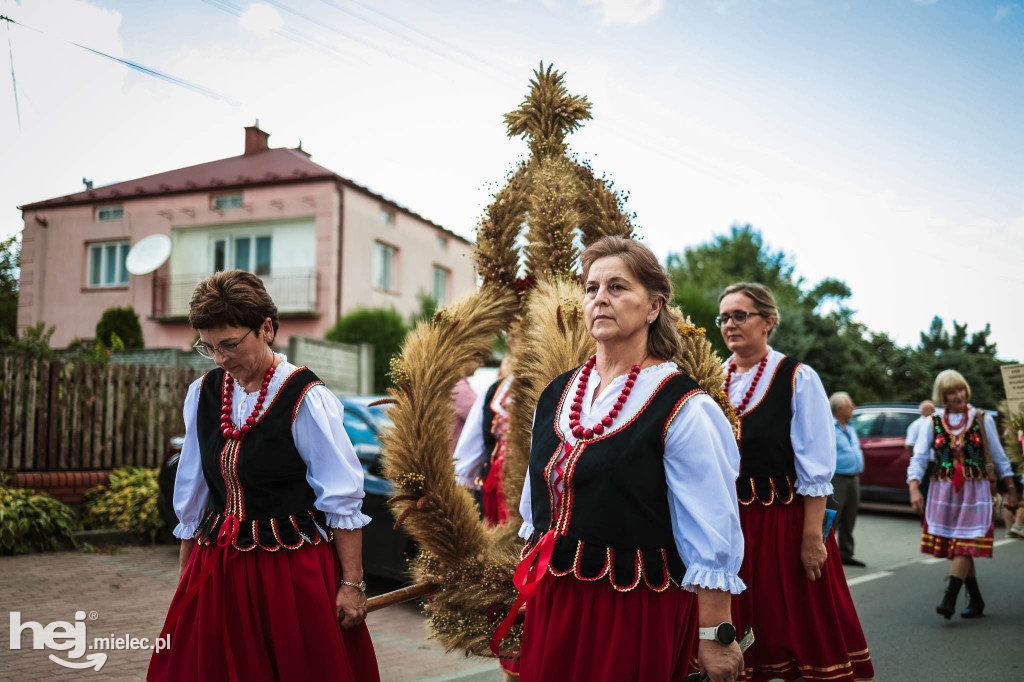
(275,166)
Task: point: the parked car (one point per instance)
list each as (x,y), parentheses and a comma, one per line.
(385,550)
(882,429)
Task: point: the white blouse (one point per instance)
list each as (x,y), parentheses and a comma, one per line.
(812,430)
(469,454)
(332,467)
(701,465)
(924,453)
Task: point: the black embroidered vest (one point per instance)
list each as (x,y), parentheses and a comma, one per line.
(259,481)
(614,518)
(488,429)
(970,441)
(767,459)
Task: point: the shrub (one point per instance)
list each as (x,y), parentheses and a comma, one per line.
(381,327)
(121,321)
(33,522)
(128,502)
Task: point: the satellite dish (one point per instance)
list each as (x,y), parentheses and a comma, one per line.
(148,254)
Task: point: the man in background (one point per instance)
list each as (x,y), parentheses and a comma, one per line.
(846,482)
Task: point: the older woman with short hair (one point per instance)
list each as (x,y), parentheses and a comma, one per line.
(269,493)
(629,505)
(964,443)
(797,599)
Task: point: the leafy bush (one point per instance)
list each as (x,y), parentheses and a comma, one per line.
(128,502)
(381,327)
(33,522)
(33,343)
(121,321)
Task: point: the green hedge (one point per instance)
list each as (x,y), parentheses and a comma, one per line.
(128,502)
(33,522)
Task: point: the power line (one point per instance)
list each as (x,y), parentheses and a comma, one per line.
(14,81)
(141,68)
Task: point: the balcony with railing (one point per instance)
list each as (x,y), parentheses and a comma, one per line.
(293,291)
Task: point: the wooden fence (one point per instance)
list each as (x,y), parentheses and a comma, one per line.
(62,415)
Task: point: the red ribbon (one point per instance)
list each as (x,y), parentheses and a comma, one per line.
(958,476)
(527,579)
(228,530)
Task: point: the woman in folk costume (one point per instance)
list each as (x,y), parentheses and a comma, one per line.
(629,506)
(964,443)
(269,492)
(797,599)
(480,451)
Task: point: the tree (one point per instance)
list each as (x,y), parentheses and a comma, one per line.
(381,327)
(10,274)
(124,322)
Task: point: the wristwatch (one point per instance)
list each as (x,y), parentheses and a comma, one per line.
(361,586)
(723,633)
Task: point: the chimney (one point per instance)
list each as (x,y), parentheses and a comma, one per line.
(255,139)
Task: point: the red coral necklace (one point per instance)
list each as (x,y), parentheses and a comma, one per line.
(581,390)
(750,391)
(228,429)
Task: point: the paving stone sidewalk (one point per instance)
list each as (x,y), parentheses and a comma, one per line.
(126,593)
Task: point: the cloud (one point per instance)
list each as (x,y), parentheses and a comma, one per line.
(626,11)
(1004,11)
(261,18)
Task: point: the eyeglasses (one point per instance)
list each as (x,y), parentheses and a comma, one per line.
(739,317)
(207,351)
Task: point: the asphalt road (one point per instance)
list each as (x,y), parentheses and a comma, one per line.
(896,595)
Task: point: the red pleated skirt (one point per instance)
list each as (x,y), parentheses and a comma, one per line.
(577,630)
(801,628)
(263,615)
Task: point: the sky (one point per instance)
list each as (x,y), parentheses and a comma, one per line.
(877,142)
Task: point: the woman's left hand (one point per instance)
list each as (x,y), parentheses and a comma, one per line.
(351,605)
(813,555)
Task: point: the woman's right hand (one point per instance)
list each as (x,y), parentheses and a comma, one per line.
(351,605)
(183,556)
(916,498)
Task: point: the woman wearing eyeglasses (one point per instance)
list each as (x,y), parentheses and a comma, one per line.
(269,493)
(796,599)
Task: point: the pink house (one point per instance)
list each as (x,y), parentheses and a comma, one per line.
(323,245)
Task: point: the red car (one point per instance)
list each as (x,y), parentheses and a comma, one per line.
(882,430)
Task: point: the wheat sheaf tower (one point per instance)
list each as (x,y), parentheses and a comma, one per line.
(563,204)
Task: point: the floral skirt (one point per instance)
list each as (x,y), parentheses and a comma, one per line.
(577,630)
(801,628)
(263,615)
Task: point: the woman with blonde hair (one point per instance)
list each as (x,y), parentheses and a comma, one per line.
(964,443)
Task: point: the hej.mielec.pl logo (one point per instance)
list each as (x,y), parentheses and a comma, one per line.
(71,637)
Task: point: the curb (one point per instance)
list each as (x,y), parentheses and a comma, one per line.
(107,536)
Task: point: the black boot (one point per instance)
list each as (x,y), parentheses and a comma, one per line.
(975,604)
(948,604)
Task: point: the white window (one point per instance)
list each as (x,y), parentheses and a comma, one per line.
(440,285)
(242,253)
(384,266)
(110,213)
(387,216)
(442,243)
(107,264)
(223,201)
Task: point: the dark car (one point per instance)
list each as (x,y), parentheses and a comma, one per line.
(882,429)
(385,550)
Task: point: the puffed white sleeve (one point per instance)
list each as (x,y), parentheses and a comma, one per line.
(332,467)
(526,501)
(469,452)
(191,494)
(701,465)
(813,435)
(922,454)
(995,446)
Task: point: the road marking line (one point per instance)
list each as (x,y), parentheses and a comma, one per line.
(1004,541)
(934,560)
(868,578)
